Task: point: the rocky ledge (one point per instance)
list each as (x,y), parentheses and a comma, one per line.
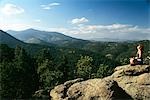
(126,83)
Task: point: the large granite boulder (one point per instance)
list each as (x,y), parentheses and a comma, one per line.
(127,82)
(135,80)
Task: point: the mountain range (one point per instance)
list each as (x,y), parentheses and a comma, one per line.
(43,37)
(34,39)
(31,48)
(56,43)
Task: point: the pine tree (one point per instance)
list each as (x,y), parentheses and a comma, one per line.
(84,67)
(25,73)
(44,73)
(103,71)
(7,82)
(6,53)
(17,76)
(64,68)
(49,76)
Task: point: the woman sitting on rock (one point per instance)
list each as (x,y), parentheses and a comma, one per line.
(138,60)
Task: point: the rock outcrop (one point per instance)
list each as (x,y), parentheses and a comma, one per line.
(135,80)
(127,83)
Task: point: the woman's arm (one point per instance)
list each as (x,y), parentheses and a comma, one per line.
(139,54)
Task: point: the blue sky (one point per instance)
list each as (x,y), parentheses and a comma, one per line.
(78,18)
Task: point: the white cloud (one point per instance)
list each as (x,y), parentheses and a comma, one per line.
(37,20)
(11,9)
(79,20)
(54,4)
(50,6)
(115,31)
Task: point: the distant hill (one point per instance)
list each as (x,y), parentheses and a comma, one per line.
(32,48)
(39,44)
(6,38)
(111,40)
(37,36)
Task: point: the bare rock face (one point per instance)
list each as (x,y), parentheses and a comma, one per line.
(135,80)
(127,83)
(60,91)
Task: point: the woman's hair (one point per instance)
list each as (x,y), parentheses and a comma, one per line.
(140,46)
